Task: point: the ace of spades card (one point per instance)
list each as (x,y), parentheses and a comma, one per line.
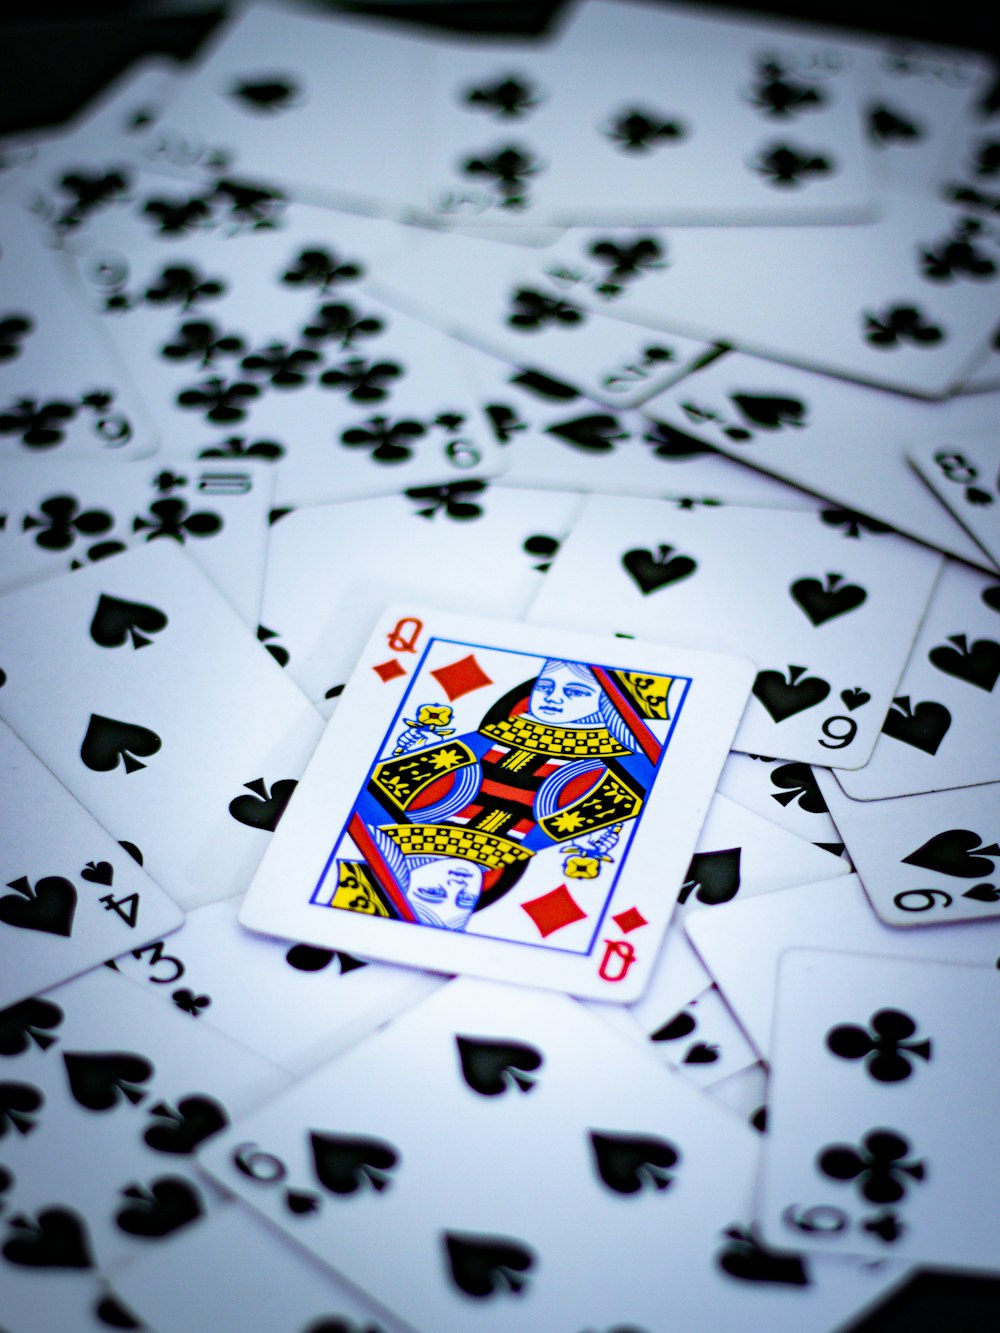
(517,803)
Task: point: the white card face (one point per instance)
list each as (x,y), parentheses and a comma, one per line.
(941,730)
(882,1165)
(263,345)
(782,792)
(488,799)
(841,440)
(62,391)
(917,867)
(499,299)
(921,96)
(818,601)
(289,97)
(907,302)
(72,895)
(615,124)
(295,1004)
(62,516)
(228,1270)
(965,476)
(552,1229)
(111,1095)
(702,1040)
(740,943)
(554,436)
(189,758)
(465,545)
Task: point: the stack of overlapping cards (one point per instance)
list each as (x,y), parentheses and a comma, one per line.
(558,480)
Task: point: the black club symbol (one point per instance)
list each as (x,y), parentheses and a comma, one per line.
(635,131)
(90,191)
(389,442)
(627,261)
(987,159)
(786,166)
(509,170)
(183,286)
(40,425)
(177,217)
(780,97)
(880,1167)
(957,255)
(253,205)
(364,381)
(507,99)
(900,323)
(190,1003)
(170,518)
(13,330)
(452,499)
(200,340)
(236,446)
(533,310)
(884,1046)
(285,367)
(341,323)
(321,269)
(62,520)
(220,401)
(541,548)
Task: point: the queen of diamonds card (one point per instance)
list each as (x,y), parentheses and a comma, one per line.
(507,795)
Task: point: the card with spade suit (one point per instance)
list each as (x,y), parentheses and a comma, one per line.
(510,801)
(826,604)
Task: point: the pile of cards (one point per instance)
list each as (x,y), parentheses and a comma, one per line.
(428,463)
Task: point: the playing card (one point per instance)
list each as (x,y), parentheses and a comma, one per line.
(819,601)
(106,1096)
(466,545)
(553,436)
(61,516)
(61,387)
(617,123)
(915,865)
(907,302)
(941,729)
(553,1227)
(497,298)
(965,476)
(291,97)
(189,757)
(844,441)
(497,799)
(702,1041)
(786,794)
(882,1164)
(740,942)
(297,1005)
(229,1271)
(967,167)
(72,895)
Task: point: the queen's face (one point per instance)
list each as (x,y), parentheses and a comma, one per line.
(561,698)
(444,892)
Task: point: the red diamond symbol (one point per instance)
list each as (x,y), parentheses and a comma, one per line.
(387,671)
(554,910)
(461,677)
(630,920)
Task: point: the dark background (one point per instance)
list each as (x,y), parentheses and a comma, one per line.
(55,56)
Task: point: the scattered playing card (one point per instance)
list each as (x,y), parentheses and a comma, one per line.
(829,436)
(189,759)
(919,857)
(106,1096)
(941,729)
(740,943)
(72,895)
(551,1227)
(881,1164)
(817,600)
(503,800)
(785,793)
(318,1001)
(965,476)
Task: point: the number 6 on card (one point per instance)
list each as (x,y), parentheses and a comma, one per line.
(510,801)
